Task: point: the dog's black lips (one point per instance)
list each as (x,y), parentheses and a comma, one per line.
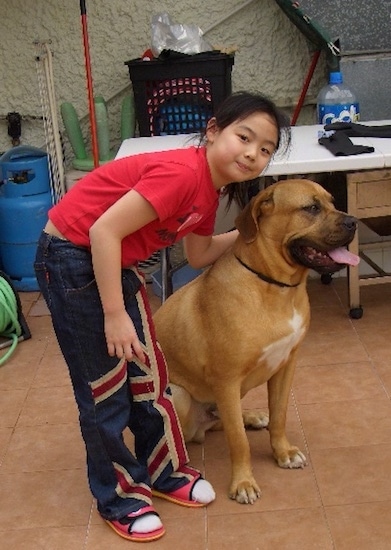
(313,258)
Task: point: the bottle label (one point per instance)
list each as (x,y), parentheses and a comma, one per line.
(349,112)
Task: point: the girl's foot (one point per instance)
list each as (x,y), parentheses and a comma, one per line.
(144,525)
(194,494)
(203,491)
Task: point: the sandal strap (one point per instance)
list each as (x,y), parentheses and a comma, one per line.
(130,518)
(192,486)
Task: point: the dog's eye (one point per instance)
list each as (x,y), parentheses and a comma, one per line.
(312,209)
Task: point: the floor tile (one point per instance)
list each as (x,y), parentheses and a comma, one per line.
(339,415)
(188,532)
(44,499)
(5,438)
(377,342)
(39,308)
(346,423)
(327,383)
(44,538)
(328,319)
(287,529)
(383,369)
(353,475)
(376,315)
(44,447)
(11,403)
(330,348)
(281,489)
(30,350)
(360,526)
(49,405)
(19,373)
(259,440)
(323,295)
(52,370)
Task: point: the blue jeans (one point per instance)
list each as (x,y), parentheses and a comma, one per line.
(113,395)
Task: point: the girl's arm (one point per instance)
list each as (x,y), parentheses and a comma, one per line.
(202,251)
(124,217)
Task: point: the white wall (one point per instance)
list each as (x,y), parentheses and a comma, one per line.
(272,55)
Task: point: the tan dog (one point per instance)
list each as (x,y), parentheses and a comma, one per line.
(240,323)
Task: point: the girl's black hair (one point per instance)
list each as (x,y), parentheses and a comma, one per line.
(238,106)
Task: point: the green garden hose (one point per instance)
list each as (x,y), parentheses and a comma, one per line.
(9,324)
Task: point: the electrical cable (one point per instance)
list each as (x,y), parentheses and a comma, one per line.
(9,323)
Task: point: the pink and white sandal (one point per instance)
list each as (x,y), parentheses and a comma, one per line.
(123,526)
(181,496)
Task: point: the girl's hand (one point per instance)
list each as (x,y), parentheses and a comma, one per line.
(121,336)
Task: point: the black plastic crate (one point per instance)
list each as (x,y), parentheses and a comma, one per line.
(179,94)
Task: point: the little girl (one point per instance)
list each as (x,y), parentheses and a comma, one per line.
(86,266)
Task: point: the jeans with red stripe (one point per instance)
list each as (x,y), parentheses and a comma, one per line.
(113,395)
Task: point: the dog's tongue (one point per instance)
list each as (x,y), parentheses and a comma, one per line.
(343,256)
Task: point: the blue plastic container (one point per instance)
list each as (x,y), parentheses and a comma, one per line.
(25,199)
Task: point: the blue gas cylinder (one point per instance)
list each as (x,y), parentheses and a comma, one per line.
(25,199)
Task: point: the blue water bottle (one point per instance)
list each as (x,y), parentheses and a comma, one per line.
(336,102)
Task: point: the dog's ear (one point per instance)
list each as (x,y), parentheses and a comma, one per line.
(246,224)
(247,221)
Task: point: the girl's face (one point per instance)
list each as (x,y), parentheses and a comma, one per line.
(242,150)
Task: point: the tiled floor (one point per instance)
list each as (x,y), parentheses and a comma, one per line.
(339,414)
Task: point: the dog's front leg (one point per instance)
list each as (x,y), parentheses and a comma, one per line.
(279,387)
(243,487)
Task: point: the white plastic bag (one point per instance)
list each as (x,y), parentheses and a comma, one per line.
(168,35)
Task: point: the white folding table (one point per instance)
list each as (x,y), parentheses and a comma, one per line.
(368,180)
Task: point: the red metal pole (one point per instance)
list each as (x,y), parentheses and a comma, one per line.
(305,87)
(91,105)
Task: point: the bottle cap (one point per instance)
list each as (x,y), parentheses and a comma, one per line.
(335,78)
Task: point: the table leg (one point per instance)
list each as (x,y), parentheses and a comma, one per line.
(354,277)
(353,272)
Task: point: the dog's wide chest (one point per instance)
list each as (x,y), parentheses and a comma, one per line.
(274,354)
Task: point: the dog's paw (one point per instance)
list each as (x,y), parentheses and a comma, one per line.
(255,420)
(292,459)
(245,492)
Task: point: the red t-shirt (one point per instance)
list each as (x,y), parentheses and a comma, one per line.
(177,184)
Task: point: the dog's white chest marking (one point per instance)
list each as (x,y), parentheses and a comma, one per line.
(278,352)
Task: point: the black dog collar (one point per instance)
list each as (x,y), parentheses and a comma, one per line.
(265,277)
